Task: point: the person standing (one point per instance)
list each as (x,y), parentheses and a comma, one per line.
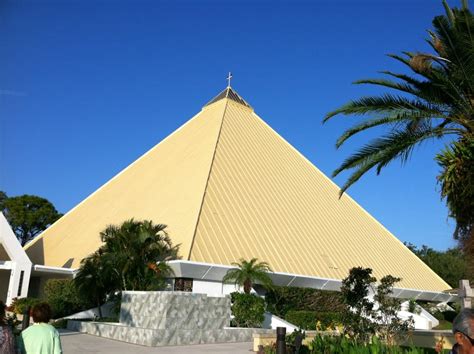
(463,330)
(7,339)
(41,337)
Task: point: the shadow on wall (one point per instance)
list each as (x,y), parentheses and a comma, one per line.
(68,263)
(36,252)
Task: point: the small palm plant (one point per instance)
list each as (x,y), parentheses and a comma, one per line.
(249,272)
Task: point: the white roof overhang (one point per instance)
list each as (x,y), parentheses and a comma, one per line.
(44,270)
(216,272)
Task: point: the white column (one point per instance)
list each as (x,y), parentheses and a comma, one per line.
(14,289)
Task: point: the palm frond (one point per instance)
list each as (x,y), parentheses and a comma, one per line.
(383,104)
(405,117)
(380,152)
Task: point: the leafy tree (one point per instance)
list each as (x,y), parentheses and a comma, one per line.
(389,325)
(355,290)
(364,317)
(28,215)
(437,101)
(3,198)
(249,272)
(451,265)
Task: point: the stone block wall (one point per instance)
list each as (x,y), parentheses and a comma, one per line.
(155,318)
(174,310)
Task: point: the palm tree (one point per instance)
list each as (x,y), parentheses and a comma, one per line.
(93,280)
(248,272)
(137,252)
(436,102)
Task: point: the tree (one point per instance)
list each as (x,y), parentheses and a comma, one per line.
(355,290)
(137,252)
(389,325)
(437,101)
(365,317)
(457,186)
(247,273)
(133,257)
(28,215)
(94,280)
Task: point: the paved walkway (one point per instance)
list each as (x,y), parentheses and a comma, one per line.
(79,343)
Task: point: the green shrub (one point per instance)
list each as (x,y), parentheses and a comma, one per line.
(343,345)
(18,306)
(449,315)
(282,299)
(438,315)
(63,297)
(308,320)
(248,310)
(60,324)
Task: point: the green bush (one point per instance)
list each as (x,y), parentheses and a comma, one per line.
(18,306)
(63,297)
(449,315)
(344,345)
(248,310)
(282,299)
(60,324)
(438,315)
(307,320)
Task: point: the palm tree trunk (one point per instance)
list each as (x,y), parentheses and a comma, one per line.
(247,286)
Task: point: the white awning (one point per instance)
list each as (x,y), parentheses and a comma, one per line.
(216,272)
(43,269)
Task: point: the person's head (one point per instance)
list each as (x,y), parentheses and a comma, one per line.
(463,329)
(41,313)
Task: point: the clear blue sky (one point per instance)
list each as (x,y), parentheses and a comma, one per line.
(88,86)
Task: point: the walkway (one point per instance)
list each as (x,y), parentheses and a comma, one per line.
(79,343)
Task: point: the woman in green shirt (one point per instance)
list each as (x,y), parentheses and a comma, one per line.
(41,337)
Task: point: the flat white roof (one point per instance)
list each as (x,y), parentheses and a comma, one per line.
(216,272)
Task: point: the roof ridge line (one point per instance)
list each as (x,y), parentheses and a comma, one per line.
(207,182)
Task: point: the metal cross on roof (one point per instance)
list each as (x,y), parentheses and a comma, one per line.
(229,77)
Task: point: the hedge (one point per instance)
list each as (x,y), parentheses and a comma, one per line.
(63,297)
(280,300)
(307,320)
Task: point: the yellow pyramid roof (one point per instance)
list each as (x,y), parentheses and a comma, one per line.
(230,187)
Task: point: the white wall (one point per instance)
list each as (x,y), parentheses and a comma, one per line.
(20,263)
(272,322)
(212,288)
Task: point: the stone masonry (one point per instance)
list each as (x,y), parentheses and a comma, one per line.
(160,318)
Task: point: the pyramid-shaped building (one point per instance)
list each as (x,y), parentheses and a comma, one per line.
(229,187)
